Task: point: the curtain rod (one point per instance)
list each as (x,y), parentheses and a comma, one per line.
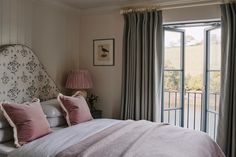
(142,8)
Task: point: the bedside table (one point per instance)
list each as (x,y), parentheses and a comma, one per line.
(96,114)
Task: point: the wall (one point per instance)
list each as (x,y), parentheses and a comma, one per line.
(109,24)
(52,30)
(15,22)
(56,38)
(107,79)
(200,13)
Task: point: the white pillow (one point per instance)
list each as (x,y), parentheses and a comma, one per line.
(52,108)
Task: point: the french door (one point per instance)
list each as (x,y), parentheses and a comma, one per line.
(195,109)
(212,79)
(173,81)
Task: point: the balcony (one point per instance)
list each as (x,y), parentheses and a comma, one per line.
(196,116)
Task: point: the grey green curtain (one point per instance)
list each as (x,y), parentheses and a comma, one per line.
(226,136)
(142,66)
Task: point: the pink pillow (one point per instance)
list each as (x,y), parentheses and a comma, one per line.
(76,108)
(28,121)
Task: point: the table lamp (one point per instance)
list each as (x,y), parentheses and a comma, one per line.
(79,80)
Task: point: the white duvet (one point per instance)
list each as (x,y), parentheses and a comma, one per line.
(52,144)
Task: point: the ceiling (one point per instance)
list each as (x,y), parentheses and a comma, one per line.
(87,4)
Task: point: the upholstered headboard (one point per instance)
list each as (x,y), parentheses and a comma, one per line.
(22,76)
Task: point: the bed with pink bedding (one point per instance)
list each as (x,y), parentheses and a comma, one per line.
(115,138)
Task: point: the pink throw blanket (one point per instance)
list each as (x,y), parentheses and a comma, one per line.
(145,139)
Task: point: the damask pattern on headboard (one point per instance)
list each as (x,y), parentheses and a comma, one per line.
(22,76)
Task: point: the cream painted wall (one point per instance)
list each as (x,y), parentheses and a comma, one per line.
(109,24)
(200,13)
(52,30)
(15,22)
(56,38)
(107,79)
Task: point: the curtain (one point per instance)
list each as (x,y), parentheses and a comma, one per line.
(226,136)
(142,66)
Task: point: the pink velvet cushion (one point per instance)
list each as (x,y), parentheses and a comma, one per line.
(76,108)
(28,121)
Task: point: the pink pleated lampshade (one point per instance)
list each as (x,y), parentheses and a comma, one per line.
(79,79)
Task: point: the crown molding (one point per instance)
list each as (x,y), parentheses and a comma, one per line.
(152,3)
(163,5)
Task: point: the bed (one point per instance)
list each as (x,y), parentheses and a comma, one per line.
(107,137)
(23,77)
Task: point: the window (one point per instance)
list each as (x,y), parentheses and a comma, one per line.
(192,76)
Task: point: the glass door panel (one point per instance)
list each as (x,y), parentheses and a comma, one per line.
(212,80)
(173,86)
(173,50)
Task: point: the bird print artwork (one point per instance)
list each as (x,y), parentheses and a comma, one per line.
(104,51)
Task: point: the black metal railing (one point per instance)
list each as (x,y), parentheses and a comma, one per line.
(195,114)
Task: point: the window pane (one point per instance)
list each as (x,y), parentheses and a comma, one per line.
(172,117)
(212,124)
(213,102)
(172,99)
(214,91)
(172,80)
(193,110)
(215,49)
(172,89)
(214,82)
(172,50)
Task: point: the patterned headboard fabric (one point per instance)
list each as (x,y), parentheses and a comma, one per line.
(22,76)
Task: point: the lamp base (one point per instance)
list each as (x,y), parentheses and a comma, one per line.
(82,93)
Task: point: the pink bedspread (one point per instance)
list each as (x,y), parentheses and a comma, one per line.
(145,139)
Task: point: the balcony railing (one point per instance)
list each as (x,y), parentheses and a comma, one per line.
(195,114)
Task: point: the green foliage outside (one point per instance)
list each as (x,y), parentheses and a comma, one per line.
(192,83)
(215,82)
(172,81)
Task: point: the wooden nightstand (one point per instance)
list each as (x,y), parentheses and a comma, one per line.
(96,114)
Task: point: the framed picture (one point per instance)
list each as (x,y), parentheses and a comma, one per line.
(104,52)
